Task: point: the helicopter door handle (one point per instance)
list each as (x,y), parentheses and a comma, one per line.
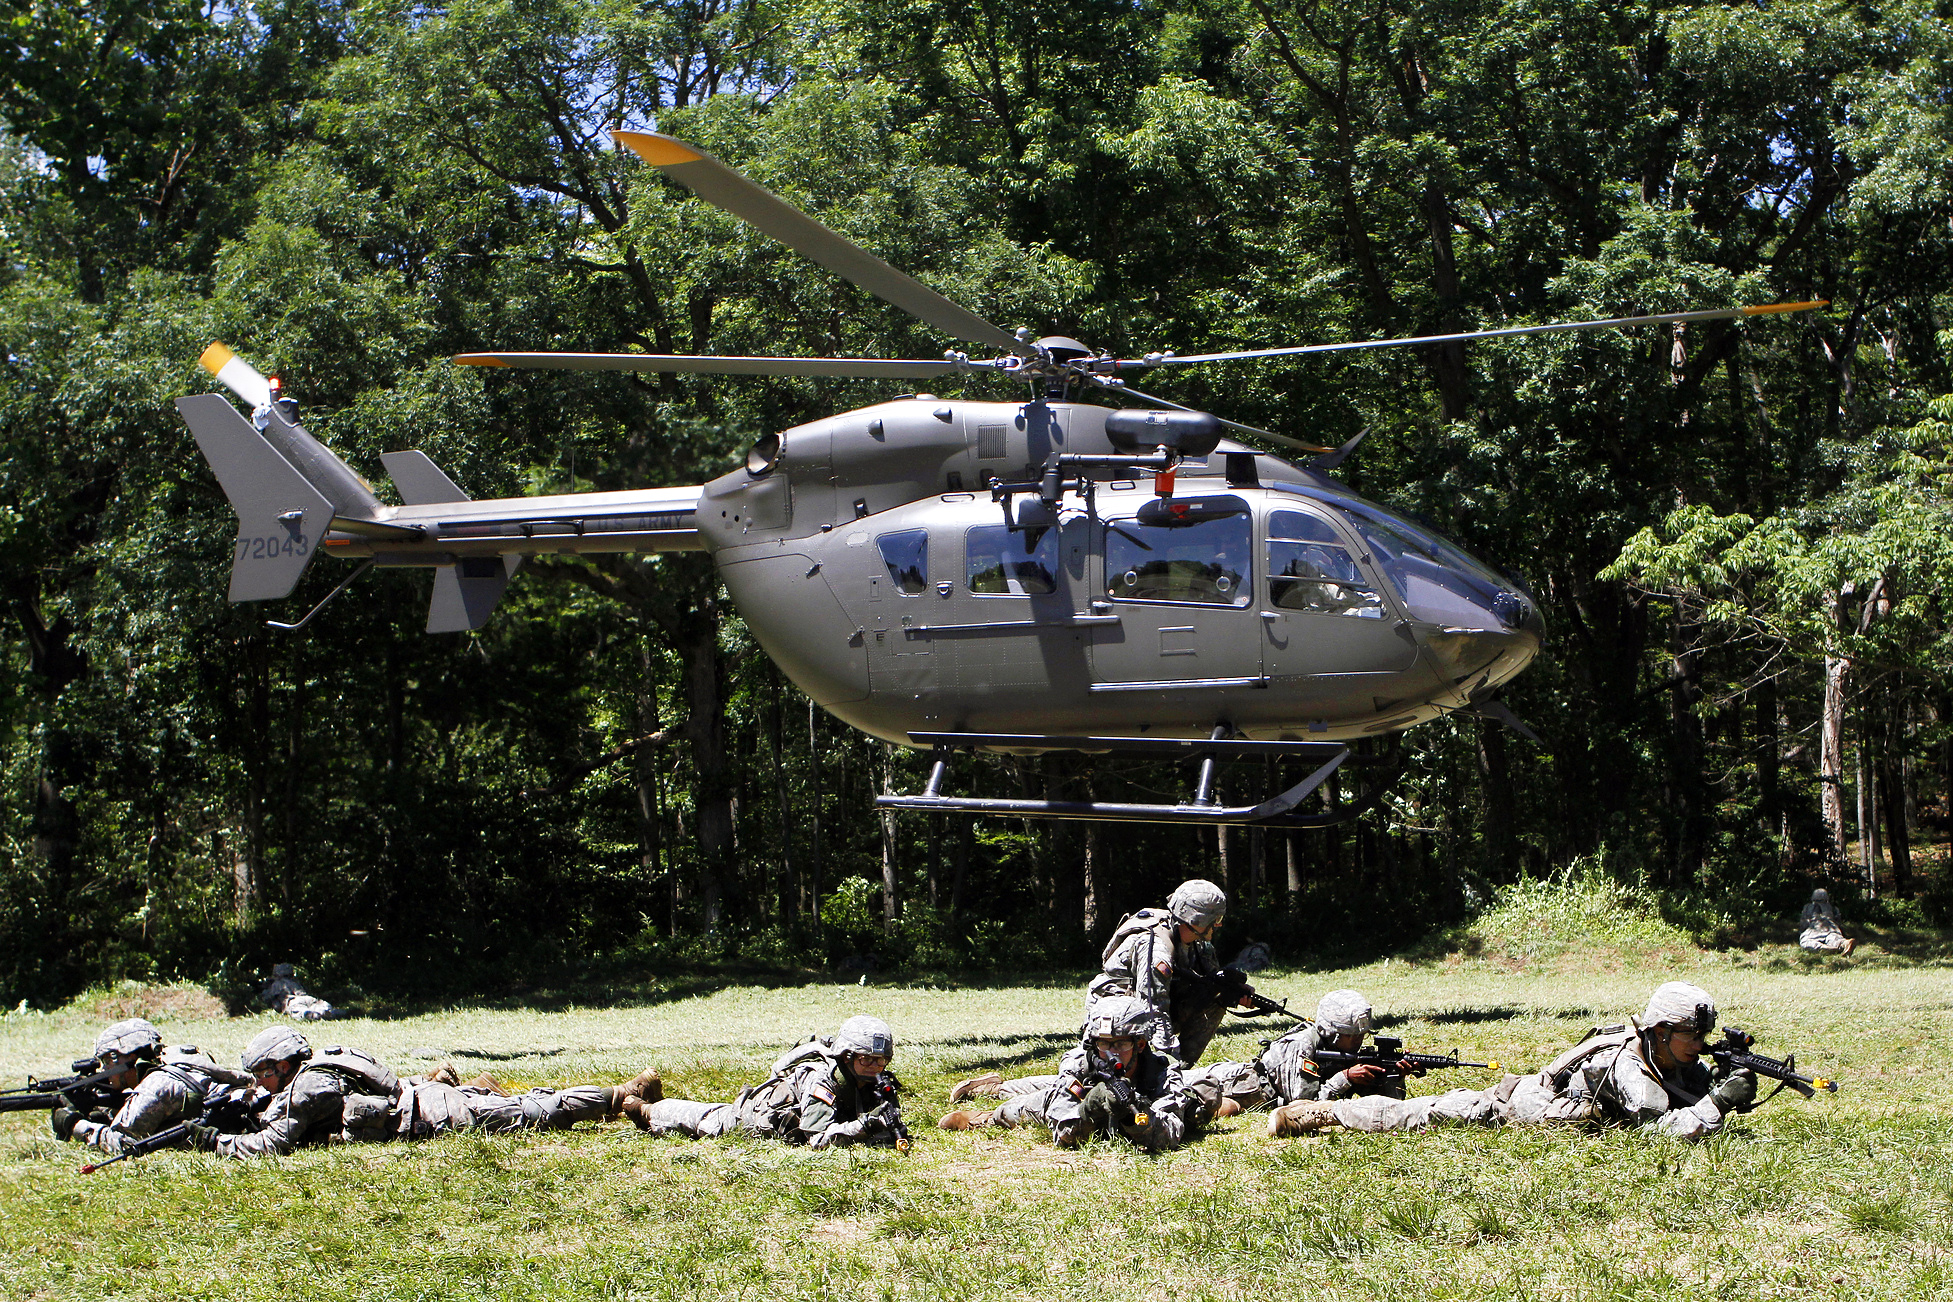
(1271,615)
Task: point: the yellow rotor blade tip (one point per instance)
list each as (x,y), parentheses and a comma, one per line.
(659,151)
(1766,308)
(214,357)
(477,359)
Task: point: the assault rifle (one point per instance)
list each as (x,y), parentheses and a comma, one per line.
(231,1110)
(1124,1098)
(1734,1052)
(1388,1053)
(888,1090)
(85,1091)
(1229,987)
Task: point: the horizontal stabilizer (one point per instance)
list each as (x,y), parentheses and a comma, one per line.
(420,481)
(281,517)
(465,593)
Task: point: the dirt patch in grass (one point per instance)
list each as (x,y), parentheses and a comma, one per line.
(159,1003)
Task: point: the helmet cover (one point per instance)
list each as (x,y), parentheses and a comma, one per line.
(129,1039)
(1344,1012)
(865,1035)
(274,1044)
(1198,904)
(1683,1007)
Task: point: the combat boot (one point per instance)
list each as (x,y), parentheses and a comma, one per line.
(974,1086)
(1301,1118)
(967,1120)
(647,1085)
(444,1075)
(488,1085)
(1228,1108)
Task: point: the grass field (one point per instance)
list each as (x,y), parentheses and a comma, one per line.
(1845,1196)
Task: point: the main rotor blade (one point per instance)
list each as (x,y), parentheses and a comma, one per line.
(723,187)
(868,367)
(1712,314)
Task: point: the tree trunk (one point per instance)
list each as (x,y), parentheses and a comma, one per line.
(1093,912)
(711,774)
(891,904)
(814,848)
(1830,750)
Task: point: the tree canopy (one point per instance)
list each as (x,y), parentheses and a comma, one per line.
(1739,533)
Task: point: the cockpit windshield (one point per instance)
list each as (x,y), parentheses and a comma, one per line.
(1437,581)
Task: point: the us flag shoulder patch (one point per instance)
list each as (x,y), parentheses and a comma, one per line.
(823,1093)
(1164,968)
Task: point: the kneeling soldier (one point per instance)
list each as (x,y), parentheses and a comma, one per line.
(822,1094)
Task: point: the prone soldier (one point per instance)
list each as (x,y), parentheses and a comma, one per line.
(824,1094)
(164,1086)
(1646,1075)
(343,1095)
(1112,1083)
(284,995)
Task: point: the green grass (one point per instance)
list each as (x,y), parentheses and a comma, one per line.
(1846,1196)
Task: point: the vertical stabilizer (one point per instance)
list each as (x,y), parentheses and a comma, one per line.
(420,481)
(465,593)
(281,517)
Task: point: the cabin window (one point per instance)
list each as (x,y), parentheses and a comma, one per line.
(1311,570)
(1015,562)
(907,556)
(1205,563)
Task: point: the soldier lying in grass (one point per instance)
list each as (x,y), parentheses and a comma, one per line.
(823,1094)
(163,1086)
(342,1095)
(1112,1084)
(1646,1074)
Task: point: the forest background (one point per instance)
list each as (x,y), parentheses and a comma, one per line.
(1739,534)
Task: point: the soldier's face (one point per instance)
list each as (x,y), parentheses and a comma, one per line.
(1677,1048)
(1349,1041)
(1119,1049)
(127,1079)
(866,1066)
(274,1076)
(1188,935)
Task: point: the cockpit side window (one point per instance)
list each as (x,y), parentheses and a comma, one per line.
(1205,563)
(1310,569)
(906,554)
(1005,561)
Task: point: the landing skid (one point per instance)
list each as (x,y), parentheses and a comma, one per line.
(1277,811)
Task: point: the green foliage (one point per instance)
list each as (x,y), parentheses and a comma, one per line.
(350,195)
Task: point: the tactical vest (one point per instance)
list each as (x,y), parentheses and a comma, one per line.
(1134,924)
(774,1105)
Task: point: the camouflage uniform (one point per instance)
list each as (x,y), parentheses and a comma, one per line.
(1075,1106)
(810,1097)
(175,1090)
(340,1096)
(1145,958)
(1610,1077)
(286,996)
(1820,931)
(1286,1071)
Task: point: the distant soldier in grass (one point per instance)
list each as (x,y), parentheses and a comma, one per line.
(164,1086)
(1165,958)
(284,995)
(1111,1084)
(821,1094)
(343,1095)
(1820,930)
(1647,1074)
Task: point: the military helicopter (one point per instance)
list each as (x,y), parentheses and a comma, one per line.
(1013,576)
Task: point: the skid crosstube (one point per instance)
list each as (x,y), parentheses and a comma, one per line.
(1277,811)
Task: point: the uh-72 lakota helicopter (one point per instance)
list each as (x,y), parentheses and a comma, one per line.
(1046,574)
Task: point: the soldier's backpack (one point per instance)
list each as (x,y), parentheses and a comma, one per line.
(361,1071)
(772,1105)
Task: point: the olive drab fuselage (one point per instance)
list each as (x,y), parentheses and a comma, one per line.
(867,555)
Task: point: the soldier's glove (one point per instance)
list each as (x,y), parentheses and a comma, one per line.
(63,1121)
(203,1138)
(875,1123)
(1735,1092)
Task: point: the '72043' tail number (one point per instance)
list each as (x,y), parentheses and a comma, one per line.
(266,546)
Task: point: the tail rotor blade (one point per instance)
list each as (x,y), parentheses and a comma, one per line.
(236,374)
(726,188)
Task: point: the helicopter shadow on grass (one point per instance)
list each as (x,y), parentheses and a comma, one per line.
(1452,1016)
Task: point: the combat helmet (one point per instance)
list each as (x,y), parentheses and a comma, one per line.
(1682,1007)
(274,1044)
(865,1035)
(1119,1015)
(1198,903)
(135,1038)
(1343,1012)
